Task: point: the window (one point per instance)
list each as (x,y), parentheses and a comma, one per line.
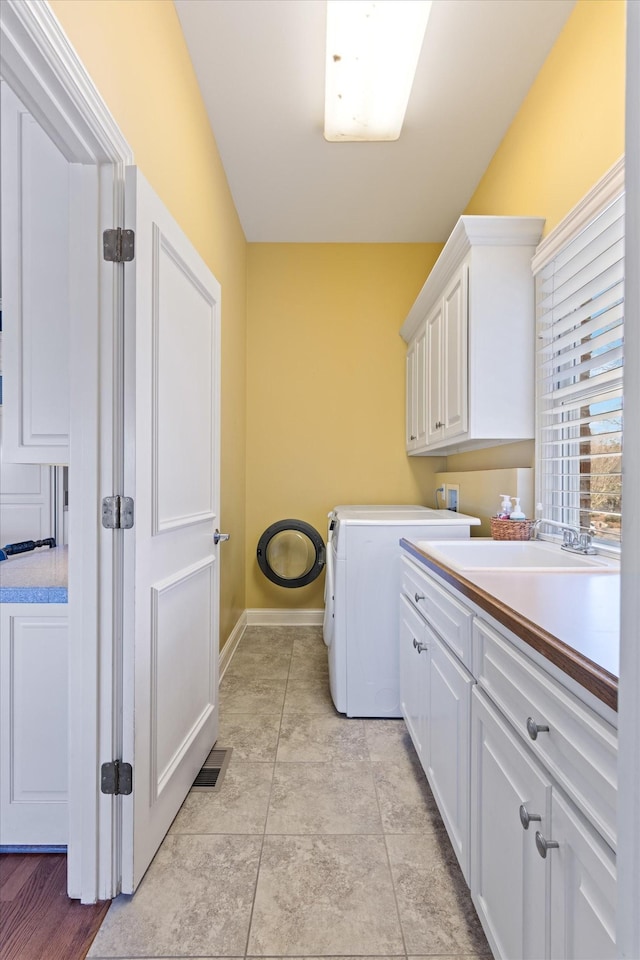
(580,337)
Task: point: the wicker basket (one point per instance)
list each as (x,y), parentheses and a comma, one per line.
(511,529)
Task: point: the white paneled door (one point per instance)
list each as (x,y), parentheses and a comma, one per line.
(172,377)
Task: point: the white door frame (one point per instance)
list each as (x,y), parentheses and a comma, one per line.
(628,933)
(40,65)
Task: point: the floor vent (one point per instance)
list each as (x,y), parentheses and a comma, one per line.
(213,771)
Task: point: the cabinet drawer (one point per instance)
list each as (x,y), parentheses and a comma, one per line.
(579,748)
(450,619)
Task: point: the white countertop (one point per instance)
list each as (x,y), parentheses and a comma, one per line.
(573,619)
(37,577)
(580,609)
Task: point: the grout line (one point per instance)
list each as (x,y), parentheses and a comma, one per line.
(386,849)
(266,816)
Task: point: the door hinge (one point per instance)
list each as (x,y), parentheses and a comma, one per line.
(117,513)
(118,245)
(116,778)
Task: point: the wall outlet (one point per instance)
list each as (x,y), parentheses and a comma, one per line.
(451,495)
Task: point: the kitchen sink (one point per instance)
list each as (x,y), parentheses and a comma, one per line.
(513,555)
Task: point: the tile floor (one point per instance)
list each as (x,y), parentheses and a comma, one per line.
(323,841)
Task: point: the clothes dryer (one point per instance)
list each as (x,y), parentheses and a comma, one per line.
(362,593)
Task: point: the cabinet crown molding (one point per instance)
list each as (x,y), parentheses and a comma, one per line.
(470,231)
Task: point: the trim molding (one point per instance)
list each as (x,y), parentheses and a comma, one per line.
(36,56)
(231,644)
(600,196)
(282,617)
(469,232)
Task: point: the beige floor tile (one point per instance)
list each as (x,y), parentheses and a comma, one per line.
(246,695)
(388,740)
(239,806)
(195,900)
(406,802)
(329,798)
(319,896)
(310,697)
(309,658)
(260,662)
(252,736)
(436,912)
(309,738)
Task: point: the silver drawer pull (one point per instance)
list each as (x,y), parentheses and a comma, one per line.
(544,845)
(415,643)
(418,597)
(533,728)
(526,817)
(420,647)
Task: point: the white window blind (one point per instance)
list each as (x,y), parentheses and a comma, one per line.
(580,330)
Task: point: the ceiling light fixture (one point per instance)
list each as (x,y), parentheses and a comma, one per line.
(372,54)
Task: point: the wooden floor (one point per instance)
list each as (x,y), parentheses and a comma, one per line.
(37,919)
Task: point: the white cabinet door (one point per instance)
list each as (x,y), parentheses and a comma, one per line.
(36,296)
(583,887)
(411,419)
(434,375)
(448,743)
(172,304)
(416,417)
(509,880)
(454,356)
(34,707)
(421,387)
(414,670)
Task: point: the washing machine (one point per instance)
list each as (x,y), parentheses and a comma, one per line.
(362,595)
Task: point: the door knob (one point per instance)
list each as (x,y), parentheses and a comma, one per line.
(218,537)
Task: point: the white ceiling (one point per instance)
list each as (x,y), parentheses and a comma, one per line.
(260,65)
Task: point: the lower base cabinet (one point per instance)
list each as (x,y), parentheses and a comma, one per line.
(542,880)
(526,816)
(435,694)
(33,724)
(509,880)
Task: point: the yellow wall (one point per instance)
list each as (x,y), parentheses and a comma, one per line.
(568,132)
(570,128)
(326,389)
(137,57)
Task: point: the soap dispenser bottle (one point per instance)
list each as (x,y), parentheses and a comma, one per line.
(506,507)
(516,513)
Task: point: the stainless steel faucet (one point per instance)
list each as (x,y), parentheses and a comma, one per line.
(576,539)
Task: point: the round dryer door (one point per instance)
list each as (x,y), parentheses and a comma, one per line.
(291,553)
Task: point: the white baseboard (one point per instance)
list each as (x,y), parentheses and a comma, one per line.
(297,618)
(231,644)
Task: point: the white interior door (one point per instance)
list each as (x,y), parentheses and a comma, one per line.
(172,386)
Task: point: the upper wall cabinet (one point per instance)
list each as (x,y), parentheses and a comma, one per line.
(35,290)
(470,336)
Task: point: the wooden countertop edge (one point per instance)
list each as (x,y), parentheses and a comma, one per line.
(590,675)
